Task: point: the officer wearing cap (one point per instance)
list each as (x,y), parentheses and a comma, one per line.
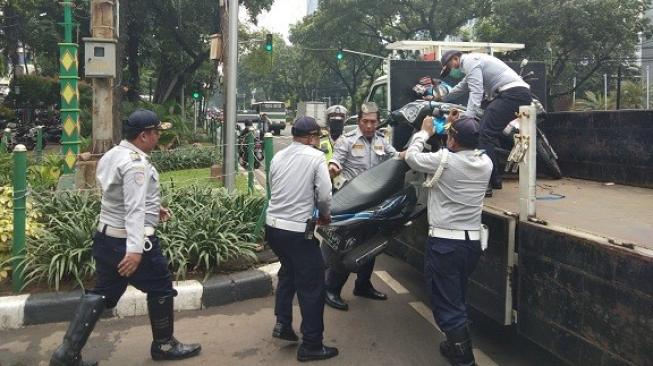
(300,184)
(456,187)
(335,124)
(356,152)
(125,247)
(487,75)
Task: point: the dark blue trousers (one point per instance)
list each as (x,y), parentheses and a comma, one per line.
(447,267)
(301,272)
(151,277)
(336,280)
(495,118)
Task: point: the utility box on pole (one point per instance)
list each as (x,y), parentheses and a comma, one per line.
(100,57)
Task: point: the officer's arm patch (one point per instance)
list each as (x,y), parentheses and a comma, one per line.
(135,156)
(139,178)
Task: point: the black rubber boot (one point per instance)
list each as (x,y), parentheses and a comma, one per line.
(458,348)
(88,312)
(164,344)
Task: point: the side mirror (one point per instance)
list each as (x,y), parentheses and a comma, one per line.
(524,62)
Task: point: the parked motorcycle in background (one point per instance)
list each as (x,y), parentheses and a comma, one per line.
(243,158)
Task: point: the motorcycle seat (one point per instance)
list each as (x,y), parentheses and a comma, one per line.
(370,188)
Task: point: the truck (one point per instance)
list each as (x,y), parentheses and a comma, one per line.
(316,110)
(574,277)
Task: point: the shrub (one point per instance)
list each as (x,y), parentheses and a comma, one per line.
(185,158)
(208,227)
(32,226)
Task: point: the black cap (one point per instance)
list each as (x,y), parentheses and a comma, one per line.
(445,59)
(305,126)
(144,119)
(466,131)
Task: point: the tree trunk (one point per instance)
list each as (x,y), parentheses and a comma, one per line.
(134,29)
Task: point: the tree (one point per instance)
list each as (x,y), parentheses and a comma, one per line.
(577,37)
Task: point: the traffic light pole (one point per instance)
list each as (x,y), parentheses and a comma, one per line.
(230,115)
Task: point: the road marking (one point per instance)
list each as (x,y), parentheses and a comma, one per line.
(391,282)
(425,312)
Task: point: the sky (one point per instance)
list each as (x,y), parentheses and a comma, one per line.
(282,14)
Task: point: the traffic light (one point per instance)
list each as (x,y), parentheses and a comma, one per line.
(268,42)
(196,95)
(340,55)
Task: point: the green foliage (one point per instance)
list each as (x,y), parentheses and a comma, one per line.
(185,158)
(62,249)
(43,176)
(632,97)
(35,91)
(586,37)
(594,102)
(208,227)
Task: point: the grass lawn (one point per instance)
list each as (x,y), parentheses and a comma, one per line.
(187,177)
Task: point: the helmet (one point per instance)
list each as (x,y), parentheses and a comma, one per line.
(336,112)
(336,115)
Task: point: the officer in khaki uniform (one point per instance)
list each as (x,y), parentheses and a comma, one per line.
(299,184)
(125,247)
(354,153)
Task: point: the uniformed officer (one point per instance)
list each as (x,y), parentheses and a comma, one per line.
(456,189)
(125,247)
(356,152)
(486,75)
(336,115)
(299,182)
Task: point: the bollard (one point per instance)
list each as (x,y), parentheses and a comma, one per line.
(39,144)
(20,201)
(4,143)
(268,152)
(250,162)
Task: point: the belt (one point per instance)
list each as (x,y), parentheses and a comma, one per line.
(514,84)
(435,232)
(276,223)
(120,233)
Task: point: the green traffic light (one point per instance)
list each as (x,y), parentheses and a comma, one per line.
(340,55)
(196,95)
(268,42)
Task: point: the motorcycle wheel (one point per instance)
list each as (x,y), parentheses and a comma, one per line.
(546,157)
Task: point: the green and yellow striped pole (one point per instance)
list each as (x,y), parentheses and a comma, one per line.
(68,79)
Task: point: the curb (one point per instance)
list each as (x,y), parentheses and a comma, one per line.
(32,309)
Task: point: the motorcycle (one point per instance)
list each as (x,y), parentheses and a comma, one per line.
(243,158)
(366,214)
(427,88)
(413,113)
(23,135)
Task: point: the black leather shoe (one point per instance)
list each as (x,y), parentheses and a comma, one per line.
(335,301)
(370,293)
(308,354)
(284,332)
(497,185)
(173,350)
